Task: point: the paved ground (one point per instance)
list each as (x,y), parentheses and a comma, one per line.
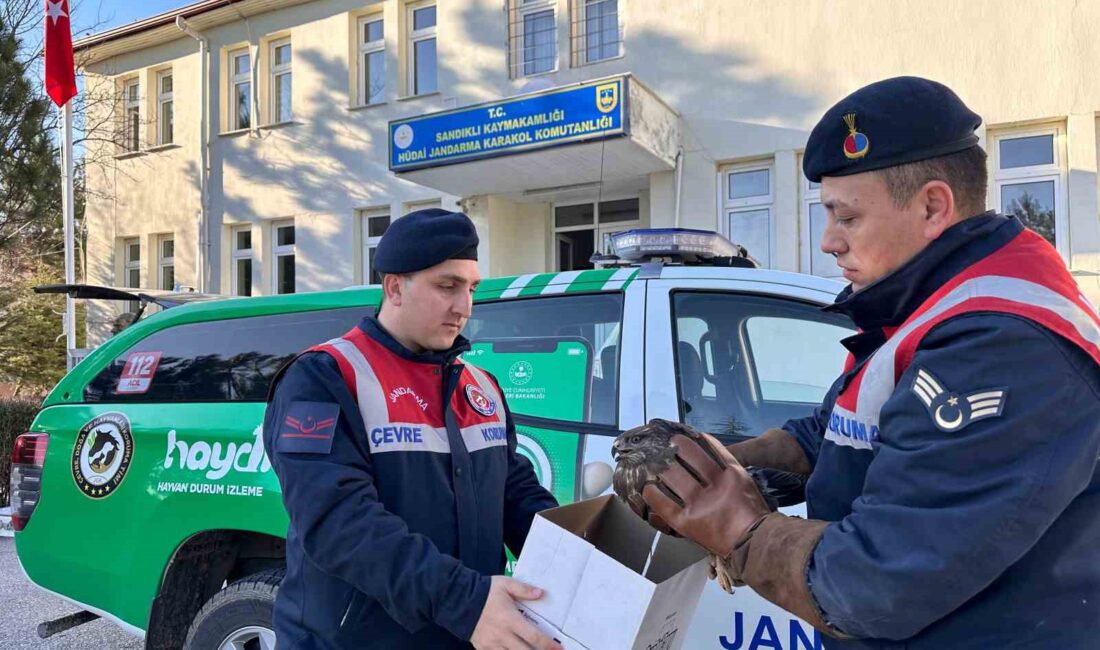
(24,606)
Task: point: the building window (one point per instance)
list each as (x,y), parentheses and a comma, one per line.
(534,33)
(242,261)
(281,95)
(582,229)
(422,49)
(747,198)
(374,224)
(596,33)
(283,252)
(1028,181)
(131,124)
(814,220)
(131,268)
(240,93)
(372,61)
(166,263)
(164,108)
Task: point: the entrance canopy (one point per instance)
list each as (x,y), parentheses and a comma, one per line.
(532,145)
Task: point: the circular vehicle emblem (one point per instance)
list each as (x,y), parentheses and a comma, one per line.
(480,401)
(403,136)
(102,455)
(521,372)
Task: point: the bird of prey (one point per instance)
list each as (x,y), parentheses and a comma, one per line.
(642,453)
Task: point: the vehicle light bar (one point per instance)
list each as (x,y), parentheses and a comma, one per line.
(634,245)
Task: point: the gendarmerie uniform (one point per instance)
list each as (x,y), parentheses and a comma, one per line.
(400,474)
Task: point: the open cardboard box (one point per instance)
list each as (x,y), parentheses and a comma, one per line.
(611,582)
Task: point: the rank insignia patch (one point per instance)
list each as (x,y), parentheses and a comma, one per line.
(951,411)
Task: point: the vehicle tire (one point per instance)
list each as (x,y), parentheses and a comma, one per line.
(239,616)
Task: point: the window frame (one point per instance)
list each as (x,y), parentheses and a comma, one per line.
(236,80)
(131,131)
(580,34)
(1054,172)
(285,250)
(596,226)
(518,12)
(370,243)
(811,196)
(131,263)
(730,206)
(165,98)
(365,49)
(166,262)
(587,427)
(415,36)
(277,70)
(237,254)
(669,292)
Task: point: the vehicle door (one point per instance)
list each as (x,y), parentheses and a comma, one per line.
(734,358)
(569,363)
(166,442)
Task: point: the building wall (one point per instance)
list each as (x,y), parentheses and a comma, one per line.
(749,80)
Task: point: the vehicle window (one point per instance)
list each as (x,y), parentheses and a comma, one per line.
(523,341)
(748,363)
(217,361)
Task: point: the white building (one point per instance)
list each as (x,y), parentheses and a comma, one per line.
(252,153)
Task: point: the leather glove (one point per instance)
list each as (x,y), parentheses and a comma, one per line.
(705,495)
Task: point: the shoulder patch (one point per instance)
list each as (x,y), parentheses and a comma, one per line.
(308,428)
(952,411)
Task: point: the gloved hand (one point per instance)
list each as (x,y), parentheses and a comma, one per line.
(705,495)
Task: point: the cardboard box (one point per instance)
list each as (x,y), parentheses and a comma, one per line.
(611,582)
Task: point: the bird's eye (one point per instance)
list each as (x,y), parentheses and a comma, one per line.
(635,439)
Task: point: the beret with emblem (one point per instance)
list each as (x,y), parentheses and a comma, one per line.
(889,123)
(422,239)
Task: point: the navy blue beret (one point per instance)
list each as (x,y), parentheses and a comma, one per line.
(889,123)
(422,239)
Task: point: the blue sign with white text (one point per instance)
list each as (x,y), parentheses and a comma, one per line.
(590,111)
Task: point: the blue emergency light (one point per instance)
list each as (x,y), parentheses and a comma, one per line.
(679,245)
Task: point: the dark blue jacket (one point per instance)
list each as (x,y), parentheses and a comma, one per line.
(986,537)
(377,554)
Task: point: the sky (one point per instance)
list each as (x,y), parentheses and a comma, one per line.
(106,14)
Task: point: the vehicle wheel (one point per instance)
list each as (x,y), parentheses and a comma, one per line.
(238,617)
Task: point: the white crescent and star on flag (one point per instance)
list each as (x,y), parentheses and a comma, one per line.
(55,11)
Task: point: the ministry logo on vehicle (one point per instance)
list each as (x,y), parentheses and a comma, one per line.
(102,454)
(521,372)
(480,401)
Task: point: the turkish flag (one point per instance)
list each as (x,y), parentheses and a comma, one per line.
(60,76)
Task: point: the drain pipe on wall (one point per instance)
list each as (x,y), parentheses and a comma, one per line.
(679,183)
(204,153)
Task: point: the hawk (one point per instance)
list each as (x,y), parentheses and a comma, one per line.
(642,453)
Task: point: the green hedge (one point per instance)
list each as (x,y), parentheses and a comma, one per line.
(15,418)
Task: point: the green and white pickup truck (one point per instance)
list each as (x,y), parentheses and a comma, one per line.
(142,492)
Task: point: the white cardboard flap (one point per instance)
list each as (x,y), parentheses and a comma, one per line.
(554,560)
(670,611)
(609,604)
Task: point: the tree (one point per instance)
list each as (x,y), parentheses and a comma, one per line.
(30,178)
(1034,215)
(32,354)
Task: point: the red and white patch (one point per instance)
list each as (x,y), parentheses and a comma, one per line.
(137,374)
(480,401)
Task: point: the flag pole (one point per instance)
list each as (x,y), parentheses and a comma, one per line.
(70,227)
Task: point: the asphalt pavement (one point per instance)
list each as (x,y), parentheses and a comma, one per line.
(23,606)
